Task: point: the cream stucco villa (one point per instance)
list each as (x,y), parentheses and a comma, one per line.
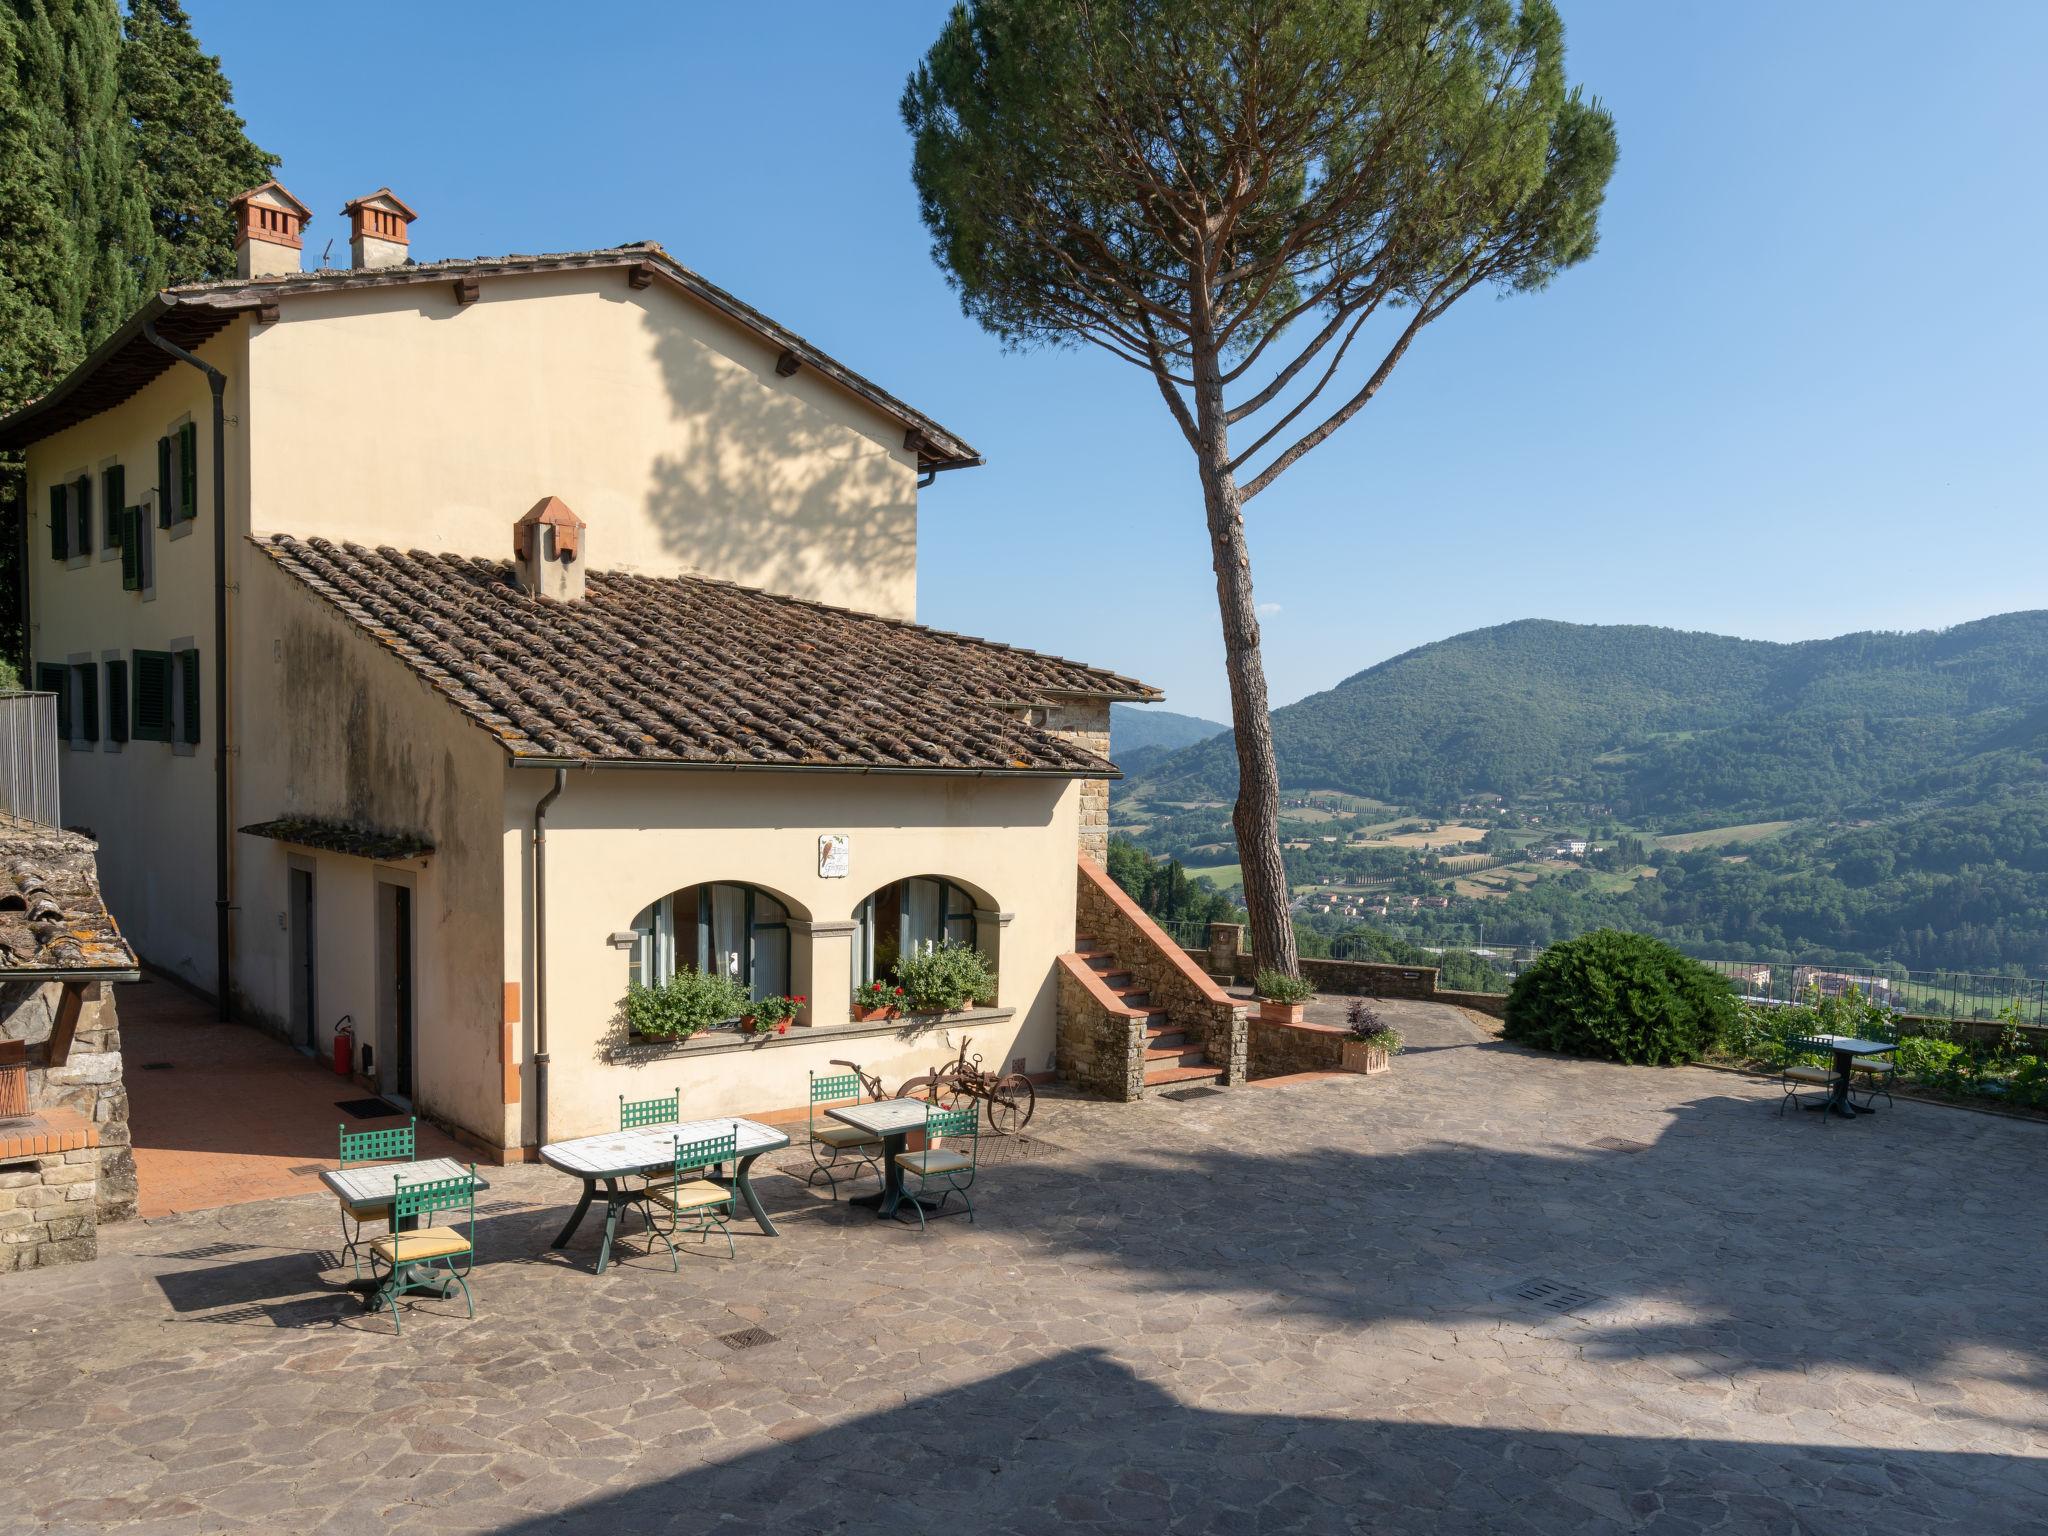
(439,645)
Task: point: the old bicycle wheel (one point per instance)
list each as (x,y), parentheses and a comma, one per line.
(1011,1103)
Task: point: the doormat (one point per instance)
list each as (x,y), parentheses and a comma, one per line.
(158,1066)
(367,1109)
(1182,1095)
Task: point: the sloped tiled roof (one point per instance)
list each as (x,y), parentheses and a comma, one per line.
(329,836)
(52,918)
(690,671)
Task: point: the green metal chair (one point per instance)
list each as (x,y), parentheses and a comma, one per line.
(637,1113)
(948,1167)
(706,1203)
(1795,1071)
(391,1145)
(832,1141)
(424,1247)
(1875,1074)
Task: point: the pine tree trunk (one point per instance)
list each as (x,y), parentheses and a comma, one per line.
(1256,818)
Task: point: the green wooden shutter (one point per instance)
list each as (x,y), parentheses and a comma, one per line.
(114,498)
(88,701)
(131,549)
(52,677)
(60,525)
(188,472)
(164,489)
(117,698)
(151,720)
(188,677)
(81,511)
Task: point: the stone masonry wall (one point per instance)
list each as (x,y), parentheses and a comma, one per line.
(49,1198)
(1193,1002)
(1278,1049)
(1226,956)
(89,1082)
(1085,723)
(1098,1050)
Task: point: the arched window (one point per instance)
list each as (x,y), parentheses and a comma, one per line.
(908,914)
(740,930)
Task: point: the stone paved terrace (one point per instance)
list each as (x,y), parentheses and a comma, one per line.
(1280,1309)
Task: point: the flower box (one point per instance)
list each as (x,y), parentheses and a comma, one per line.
(875,1015)
(1364,1056)
(1271,1012)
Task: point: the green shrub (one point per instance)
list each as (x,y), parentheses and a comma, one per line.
(1280,987)
(942,977)
(1620,997)
(2028,1085)
(1934,1063)
(687,1002)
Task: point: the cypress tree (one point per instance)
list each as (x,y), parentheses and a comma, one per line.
(192,149)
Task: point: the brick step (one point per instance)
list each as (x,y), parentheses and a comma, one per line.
(1162,1033)
(1134,997)
(1162,1077)
(1116,980)
(1173,1055)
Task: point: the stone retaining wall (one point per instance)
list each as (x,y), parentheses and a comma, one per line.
(49,1190)
(1207,1014)
(1278,1049)
(1226,956)
(1100,1046)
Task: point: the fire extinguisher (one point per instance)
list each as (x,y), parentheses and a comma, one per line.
(344,1045)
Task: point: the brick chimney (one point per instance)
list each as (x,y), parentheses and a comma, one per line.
(269,227)
(376,229)
(548,553)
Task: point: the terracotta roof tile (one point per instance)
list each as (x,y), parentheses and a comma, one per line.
(687,670)
(52,917)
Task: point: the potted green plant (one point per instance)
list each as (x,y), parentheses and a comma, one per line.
(1373,1043)
(876,999)
(685,1004)
(944,977)
(771,1015)
(1281,997)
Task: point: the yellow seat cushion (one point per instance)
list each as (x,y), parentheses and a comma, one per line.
(1809,1074)
(427,1243)
(1876,1066)
(693,1196)
(845,1136)
(932,1164)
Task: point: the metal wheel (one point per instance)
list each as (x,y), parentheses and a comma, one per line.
(1011,1104)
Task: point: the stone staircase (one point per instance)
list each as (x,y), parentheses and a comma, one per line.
(1172,1057)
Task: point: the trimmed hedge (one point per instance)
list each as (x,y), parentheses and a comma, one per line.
(1620,997)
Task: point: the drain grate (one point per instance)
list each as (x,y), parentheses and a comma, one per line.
(747,1338)
(210,1251)
(367,1109)
(1620,1144)
(158,1066)
(1182,1095)
(1554,1295)
(497,1207)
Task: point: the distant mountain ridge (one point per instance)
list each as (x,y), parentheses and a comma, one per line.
(1665,722)
(1136,726)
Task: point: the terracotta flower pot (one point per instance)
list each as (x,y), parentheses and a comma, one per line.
(868,1015)
(1364,1056)
(1271,1012)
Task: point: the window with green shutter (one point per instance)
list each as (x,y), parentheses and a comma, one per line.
(81,514)
(54,677)
(188,691)
(151,718)
(113,501)
(60,523)
(166,487)
(88,701)
(188,472)
(132,540)
(117,699)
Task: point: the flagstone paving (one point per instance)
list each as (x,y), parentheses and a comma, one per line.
(1277,1309)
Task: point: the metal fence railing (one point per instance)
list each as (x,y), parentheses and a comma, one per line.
(1939,994)
(1187,932)
(28,759)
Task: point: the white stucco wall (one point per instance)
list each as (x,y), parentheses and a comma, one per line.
(395,415)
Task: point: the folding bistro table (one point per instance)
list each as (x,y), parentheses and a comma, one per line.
(1847,1048)
(893,1120)
(377,1184)
(651,1149)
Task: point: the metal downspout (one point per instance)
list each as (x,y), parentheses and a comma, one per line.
(540,957)
(223,896)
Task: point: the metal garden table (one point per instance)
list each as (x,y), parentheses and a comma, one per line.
(651,1149)
(1847,1048)
(894,1120)
(377,1184)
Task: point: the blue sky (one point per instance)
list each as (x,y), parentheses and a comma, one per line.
(1798,391)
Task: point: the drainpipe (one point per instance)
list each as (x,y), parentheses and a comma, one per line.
(540,957)
(223,897)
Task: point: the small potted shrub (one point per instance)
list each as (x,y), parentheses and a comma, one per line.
(687,1003)
(876,1000)
(1281,997)
(1373,1043)
(944,978)
(771,1015)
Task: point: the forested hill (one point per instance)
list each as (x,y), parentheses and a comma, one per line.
(1666,723)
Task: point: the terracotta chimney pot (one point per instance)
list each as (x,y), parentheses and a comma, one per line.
(377,225)
(270,228)
(548,551)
